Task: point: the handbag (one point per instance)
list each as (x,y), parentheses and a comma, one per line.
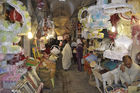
(55,49)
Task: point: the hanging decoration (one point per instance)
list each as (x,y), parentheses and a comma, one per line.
(129,17)
(90,34)
(125,16)
(95,34)
(1,8)
(136,32)
(104,44)
(95,19)
(123,42)
(136,8)
(132,16)
(82,15)
(112,32)
(120,48)
(9,31)
(40,4)
(26,26)
(115,6)
(124,28)
(134,19)
(45,29)
(15,16)
(99,19)
(114,19)
(79,25)
(2,56)
(112,35)
(85,33)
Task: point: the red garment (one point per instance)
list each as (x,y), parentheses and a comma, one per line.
(15,16)
(48,50)
(114,19)
(86,55)
(87,68)
(112,35)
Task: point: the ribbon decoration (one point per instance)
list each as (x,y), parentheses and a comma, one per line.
(132,18)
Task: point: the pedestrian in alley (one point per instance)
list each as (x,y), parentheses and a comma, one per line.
(79,54)
(67,56)
(73,46)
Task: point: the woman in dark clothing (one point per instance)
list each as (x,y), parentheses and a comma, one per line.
(79,54)
(74,55)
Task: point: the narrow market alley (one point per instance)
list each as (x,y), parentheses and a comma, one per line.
(72,81)
(69,46)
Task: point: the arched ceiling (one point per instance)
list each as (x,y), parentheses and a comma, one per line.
(61,8)
(61,12)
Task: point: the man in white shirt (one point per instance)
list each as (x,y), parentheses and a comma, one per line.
(129,71)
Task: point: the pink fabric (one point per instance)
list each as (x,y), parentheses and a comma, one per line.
(2,57)
(136,28)
(136,31)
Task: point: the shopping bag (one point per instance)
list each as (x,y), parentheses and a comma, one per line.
(55,50)
(82,61)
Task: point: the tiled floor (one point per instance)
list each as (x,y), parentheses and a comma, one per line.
(72,81)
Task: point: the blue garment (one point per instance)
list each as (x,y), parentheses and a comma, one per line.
(91,58)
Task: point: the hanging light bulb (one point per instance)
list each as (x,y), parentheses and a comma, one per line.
(30,35)
(113,29)
(47,37)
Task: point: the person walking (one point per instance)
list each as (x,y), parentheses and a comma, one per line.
(67,56)
(79,54)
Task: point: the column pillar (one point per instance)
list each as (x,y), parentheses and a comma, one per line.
(27,50)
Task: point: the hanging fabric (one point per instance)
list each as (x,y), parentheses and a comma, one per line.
(15,16)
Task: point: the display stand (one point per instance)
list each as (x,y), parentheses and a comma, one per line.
(31,83)
(106,78)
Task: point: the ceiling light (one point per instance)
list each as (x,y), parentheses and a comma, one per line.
(113,29)
(30,35)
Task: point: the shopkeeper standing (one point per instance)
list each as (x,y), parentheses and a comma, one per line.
(129,71)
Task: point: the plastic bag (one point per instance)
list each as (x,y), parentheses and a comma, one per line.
(114,54)
(55,50)
(53,58)
(123,42)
